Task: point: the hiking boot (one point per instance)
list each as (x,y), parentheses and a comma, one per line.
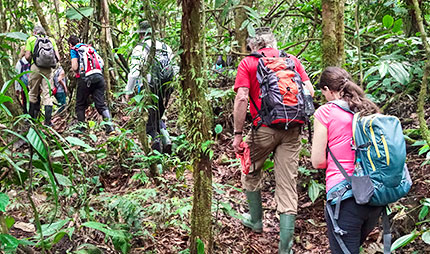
(48,115)
(165,139)
(254,219)
(286,232)
(34,110)
(107,118)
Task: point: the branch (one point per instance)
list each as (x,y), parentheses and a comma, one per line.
(269,14)
(92,21)
(300,42)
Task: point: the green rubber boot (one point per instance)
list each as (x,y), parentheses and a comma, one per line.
(254,219)
(286,233)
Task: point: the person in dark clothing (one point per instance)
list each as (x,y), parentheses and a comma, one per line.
(90,80)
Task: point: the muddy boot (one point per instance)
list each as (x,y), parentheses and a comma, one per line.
(48,115)
(286,233)
(107,118)
(165,139)
(254,220)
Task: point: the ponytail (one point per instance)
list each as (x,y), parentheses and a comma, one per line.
(357,101)
(338,79)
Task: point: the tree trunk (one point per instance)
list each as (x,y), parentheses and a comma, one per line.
(333,32)
(239,17)
(14,108)
(104,18)
(151,17)
(39,11)
(410,20)
(423,91)
(197,123)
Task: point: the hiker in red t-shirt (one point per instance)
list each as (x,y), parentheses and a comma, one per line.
(284,143)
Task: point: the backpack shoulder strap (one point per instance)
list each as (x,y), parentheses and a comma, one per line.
(283,54)
(256,54)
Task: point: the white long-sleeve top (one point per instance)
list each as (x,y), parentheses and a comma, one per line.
(18,67)
(138,58)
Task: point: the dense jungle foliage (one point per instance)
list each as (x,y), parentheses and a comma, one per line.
(67,191)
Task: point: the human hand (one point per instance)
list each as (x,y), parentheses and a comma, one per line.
(238,139)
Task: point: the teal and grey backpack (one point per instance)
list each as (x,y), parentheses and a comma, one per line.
(381,176)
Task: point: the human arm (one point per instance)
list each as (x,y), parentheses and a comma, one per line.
(61,77)
(239,114)
(136,63)
(310,87)
(319,145)
(75,64)
(28,49)
(18,87)
(57,54)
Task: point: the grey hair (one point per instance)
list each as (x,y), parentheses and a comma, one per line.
(39,30)
(263,38)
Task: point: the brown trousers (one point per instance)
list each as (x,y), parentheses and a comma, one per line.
(286,147)
(38,85)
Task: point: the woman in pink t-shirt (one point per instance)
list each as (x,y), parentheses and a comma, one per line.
(333,128)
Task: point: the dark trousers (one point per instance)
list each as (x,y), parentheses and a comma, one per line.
(95,87)
(163,90)
(24,102)
(357,220)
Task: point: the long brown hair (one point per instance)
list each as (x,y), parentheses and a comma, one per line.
(339,80)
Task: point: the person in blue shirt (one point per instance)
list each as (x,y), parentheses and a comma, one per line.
(90,81)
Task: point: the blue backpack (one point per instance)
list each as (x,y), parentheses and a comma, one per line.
(380,177)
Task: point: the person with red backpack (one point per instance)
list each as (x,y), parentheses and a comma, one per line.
(41,51)
(275,84)
(88,67)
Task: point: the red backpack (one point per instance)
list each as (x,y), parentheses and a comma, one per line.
(281,93)
(90,61)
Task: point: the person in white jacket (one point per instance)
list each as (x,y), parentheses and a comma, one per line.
(158,79)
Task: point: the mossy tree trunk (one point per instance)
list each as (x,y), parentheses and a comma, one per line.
(423,91)
(239,17)
(104,18)
(333,32)
(196,118)
(14,108)
(39,11)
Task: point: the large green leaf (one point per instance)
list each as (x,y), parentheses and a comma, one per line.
(4,201)
(314,190)
(404,240)
(73,14)
(370,71)
(103,228)
(423,213)
(4,98)
(15,35)
(50,229)
(383,69)
(8,242)
(387,21)
(78,142)
(200,246)
(35,141)
(398,25)
(398,72)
